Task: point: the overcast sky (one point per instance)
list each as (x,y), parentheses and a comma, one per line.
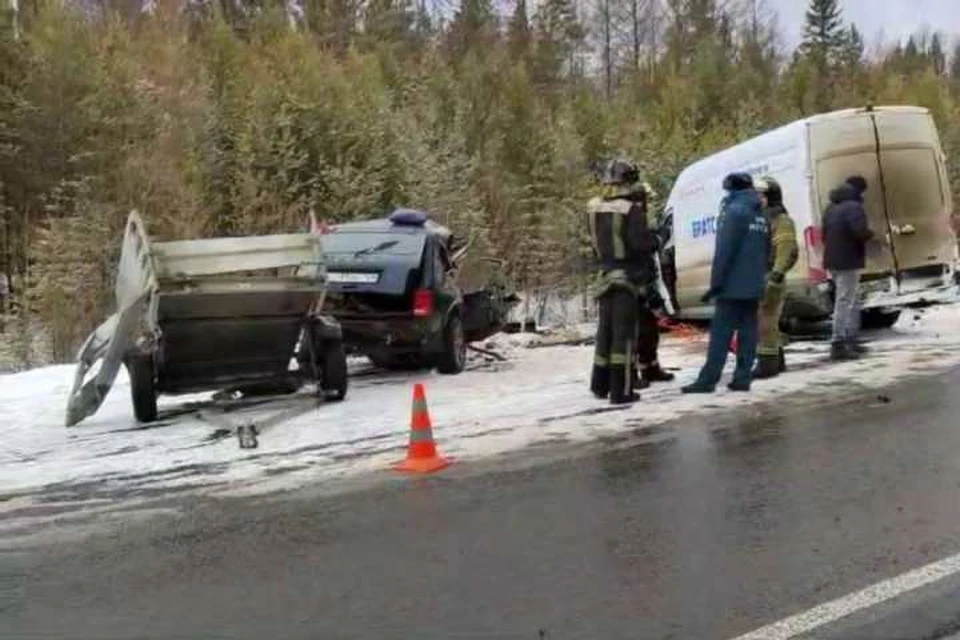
(893,18)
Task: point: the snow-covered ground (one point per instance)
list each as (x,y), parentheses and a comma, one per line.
(537,396)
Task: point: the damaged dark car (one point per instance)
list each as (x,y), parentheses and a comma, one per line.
(393,288)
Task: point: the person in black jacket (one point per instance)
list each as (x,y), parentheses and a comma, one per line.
(845,236)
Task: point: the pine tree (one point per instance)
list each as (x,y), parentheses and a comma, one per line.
(824,40)
(853,49)
(559,35)
(938,58)
(518,31)
(473,26)
(694,21)
(955,64)
(823,32)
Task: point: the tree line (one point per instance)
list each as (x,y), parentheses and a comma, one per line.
(226,117)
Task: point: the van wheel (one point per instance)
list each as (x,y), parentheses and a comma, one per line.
(878,319)
(333,369)
(453,358)
(143,390)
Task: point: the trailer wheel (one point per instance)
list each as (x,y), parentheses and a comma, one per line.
(453,358)
(333,369)
(143,391)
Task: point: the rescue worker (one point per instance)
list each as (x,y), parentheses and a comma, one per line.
(648,369)
(737,281)
(783,256)
(623,246)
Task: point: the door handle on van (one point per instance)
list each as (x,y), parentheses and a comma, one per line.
(903,230)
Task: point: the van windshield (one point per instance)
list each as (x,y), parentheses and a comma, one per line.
(357,245)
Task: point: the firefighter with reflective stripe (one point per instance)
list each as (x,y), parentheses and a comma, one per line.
(648,369)
(783,256)
(623,247)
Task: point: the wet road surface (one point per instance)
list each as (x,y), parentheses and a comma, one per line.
(698,529)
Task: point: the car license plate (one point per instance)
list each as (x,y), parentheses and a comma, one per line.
(352,277)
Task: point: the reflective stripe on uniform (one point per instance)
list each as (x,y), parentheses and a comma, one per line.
(600,361)
(619,250)
(617,359)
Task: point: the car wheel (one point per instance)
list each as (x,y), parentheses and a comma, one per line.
(333,369)
(143,391)
(453,358)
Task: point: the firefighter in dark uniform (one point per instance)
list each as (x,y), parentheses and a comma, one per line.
(623,246)
(648,367)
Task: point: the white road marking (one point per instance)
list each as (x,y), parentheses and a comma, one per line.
(857,601)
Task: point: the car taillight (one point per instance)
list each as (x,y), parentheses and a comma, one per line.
(422,302)
(813,240)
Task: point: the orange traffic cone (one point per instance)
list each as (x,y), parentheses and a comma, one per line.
(422,453)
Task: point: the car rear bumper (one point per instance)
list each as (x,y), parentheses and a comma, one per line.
(392,330)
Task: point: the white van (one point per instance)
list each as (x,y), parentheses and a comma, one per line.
(897,149)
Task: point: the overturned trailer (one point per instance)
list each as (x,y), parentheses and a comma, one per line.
(203,315)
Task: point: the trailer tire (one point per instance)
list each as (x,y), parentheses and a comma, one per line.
(143,390)
(333,371)
(453,358)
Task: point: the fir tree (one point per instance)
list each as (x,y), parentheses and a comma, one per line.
(518,31)
(938,58)
(824,41)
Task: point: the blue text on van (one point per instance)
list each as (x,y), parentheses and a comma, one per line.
(705,227)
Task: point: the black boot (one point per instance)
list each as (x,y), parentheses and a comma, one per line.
(621,387)
(739,387)
(768,366)
(600,382)
(841,352)
(781,360)
(655,373)
(856,347)
(639,382)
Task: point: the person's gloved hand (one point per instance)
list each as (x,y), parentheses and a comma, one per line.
(654,301)
(775,277)
(709,295)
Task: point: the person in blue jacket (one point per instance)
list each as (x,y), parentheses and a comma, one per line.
(737,283)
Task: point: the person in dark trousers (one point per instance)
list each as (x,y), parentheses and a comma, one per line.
(623,246)
(648,328)
(845,237)
(737,282)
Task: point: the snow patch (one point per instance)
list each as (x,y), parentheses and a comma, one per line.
(536,396)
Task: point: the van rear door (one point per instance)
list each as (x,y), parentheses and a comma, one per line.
(916,193)
(843,147)
(898,153)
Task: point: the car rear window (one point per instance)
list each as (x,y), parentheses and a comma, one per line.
(380,244)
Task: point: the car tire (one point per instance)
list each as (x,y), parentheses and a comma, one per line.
(333,371)
(143,390)
(453,358)
(878,319)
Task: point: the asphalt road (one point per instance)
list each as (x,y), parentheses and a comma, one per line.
(696,530)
